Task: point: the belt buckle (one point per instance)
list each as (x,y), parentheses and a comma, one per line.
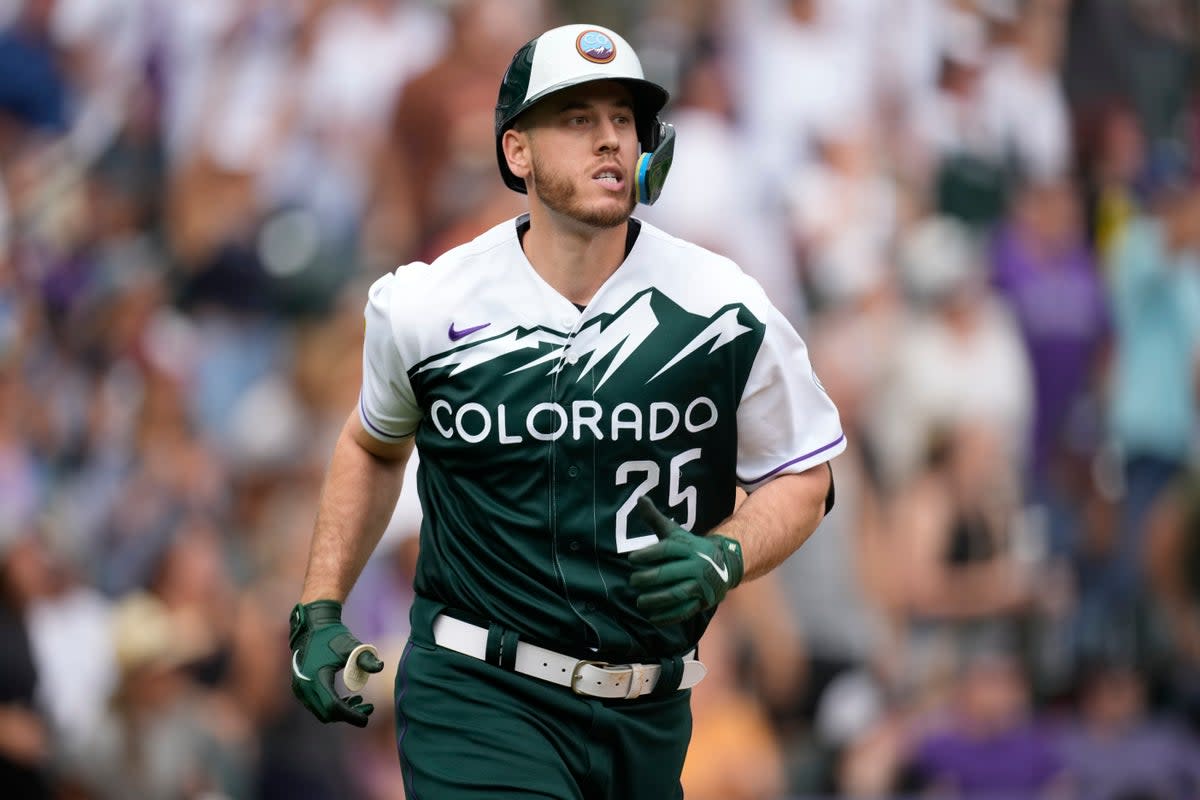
(631,671)
(576,677)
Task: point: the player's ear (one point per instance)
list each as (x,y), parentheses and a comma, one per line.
(515,144)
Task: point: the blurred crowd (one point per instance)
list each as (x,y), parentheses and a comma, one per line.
(983,216)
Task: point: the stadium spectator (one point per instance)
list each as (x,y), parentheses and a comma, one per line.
(1155,290)
(26,740)
(1173,569)
(961,361)
(1116,750)
(158,739)
(989,742)
(440,149)
(734,754)
(737,221)
(1043,269)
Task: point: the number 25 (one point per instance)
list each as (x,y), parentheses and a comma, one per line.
(676,495)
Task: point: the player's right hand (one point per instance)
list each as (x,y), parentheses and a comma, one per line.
(682,573)
(320,645)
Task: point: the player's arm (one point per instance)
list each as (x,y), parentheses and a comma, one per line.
(682,574)
(359,494)
(360,491)
(784,411)
(777,518)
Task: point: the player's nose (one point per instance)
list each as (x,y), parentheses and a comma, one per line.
(607,139)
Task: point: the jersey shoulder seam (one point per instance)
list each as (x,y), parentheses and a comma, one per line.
(502,234)
(710,256)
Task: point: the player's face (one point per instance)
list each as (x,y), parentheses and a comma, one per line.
(583,148)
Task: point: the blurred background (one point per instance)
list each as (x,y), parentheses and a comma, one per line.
(983,216)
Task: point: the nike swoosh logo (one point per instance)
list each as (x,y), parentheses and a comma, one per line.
(722,572)
(456,335)
(296,667)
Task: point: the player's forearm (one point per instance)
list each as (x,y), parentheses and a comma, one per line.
(357,500)
(777,518)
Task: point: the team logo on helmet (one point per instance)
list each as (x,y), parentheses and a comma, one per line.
(596,46)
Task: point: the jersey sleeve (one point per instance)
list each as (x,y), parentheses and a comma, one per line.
(386,405)
(786,421)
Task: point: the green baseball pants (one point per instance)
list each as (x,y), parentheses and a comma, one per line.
(469,730)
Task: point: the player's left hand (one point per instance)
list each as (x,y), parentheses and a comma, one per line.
(321,646)
(681,574)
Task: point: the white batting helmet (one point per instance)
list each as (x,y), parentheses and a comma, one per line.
(567,56)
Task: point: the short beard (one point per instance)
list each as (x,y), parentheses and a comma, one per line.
(558,193)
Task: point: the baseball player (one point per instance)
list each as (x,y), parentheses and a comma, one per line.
(586,392)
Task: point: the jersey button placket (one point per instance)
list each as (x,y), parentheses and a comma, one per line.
(568,391)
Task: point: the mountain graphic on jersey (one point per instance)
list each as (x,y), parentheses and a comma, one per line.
(644,342)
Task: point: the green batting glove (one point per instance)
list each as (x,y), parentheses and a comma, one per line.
(321,644)
(682,573)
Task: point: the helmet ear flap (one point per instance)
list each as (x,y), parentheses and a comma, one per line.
(650,135)
(653,165)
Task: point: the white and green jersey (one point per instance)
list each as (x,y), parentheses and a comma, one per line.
(540,424)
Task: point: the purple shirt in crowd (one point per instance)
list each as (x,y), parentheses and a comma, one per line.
(1061,308)
(1014,763)
(1156,760)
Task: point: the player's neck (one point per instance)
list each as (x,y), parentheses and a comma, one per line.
(574,259)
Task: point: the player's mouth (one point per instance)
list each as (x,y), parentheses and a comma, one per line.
(610,178)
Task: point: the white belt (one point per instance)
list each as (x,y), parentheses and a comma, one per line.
(593,678)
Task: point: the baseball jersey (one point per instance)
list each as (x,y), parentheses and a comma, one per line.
(539,424)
